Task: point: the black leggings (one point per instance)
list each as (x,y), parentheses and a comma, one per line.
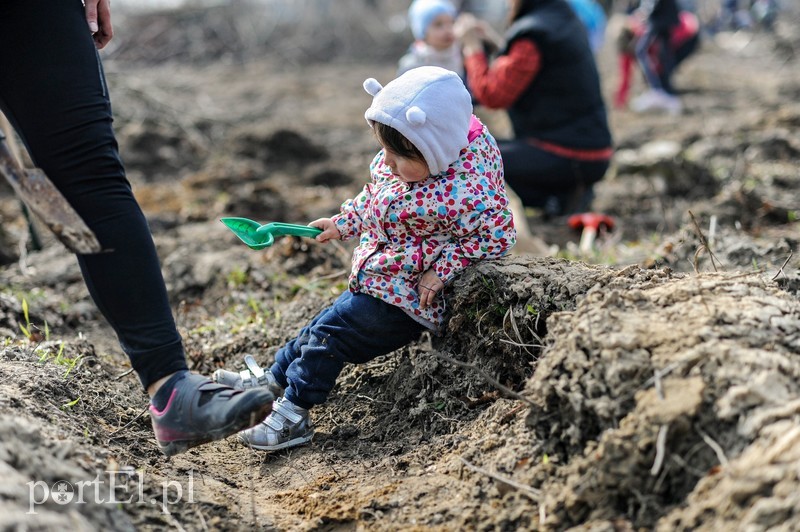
(540,177)
(53,90)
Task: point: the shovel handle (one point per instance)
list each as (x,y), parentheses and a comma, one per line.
(284,229)
(42,197)
(9,165)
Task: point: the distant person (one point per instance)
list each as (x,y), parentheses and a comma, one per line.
(546,78)
(435,204)
(594,20)
(659,18)
(684,41)
(731,17)
(54,92)
(764,13)
(434,43)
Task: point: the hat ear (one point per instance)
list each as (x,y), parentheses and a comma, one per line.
(372,86)
(416,116)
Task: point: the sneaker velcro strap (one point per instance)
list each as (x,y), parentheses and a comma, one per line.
(285,412)
(253,366)
(248,379)
(221,389)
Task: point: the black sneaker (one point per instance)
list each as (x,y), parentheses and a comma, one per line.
(200,411)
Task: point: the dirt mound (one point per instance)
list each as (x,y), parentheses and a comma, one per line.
(654,386)
(649,384)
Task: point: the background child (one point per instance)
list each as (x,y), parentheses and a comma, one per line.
(435,204)
(659,18)
(431,23)
(684,40)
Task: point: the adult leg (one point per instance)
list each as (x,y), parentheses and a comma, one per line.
(686,49)
(356,329)
(57,99)
(649,68)
(666,60)
(547,181)
(53,90)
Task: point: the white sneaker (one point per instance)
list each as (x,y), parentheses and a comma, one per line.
(657,100)
(253,377)
(288,425)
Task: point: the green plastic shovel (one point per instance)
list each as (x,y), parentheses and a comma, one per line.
(257,236)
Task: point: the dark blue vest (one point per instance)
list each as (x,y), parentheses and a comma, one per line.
(564,103)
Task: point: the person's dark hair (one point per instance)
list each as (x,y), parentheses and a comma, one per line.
(626,40)
(519,8)
(392,139)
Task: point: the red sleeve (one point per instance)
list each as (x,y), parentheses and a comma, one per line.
(500,84)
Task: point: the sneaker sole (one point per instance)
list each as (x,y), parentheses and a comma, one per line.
(302,440)
(245,421)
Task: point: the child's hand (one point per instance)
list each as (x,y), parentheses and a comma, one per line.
(429,286)
(329,231)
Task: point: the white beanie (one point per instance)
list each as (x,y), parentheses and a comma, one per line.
(422,12)
(430,106)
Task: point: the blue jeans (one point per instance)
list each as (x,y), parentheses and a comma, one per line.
(660,80)
(356,328)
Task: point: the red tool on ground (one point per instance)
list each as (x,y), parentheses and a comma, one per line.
(590,223)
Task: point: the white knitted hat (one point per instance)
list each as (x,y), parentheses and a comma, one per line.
(430,106)
(422,12)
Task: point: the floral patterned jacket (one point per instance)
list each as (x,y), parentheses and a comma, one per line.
(444,222)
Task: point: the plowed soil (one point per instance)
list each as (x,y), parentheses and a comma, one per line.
(653,383)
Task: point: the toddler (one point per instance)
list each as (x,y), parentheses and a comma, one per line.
(432,23)
(435,204)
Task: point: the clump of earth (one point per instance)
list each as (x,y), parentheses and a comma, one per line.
(652,383)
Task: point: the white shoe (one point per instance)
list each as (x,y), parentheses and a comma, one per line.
(288,425)
(657,100)
(253,377)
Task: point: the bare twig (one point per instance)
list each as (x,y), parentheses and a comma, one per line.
(123,374)
(508,416)
(518,343)
(661,441)
(524,346)
(486,376)
(723,460)
(780,270)
(202,519)
(686,466)
(712,229)
(532,493)
(371,400)
(657,381)
(344,254)
(329,276)
(35,347)
(704,244)
(129,423)
(171,518)
(253,495)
